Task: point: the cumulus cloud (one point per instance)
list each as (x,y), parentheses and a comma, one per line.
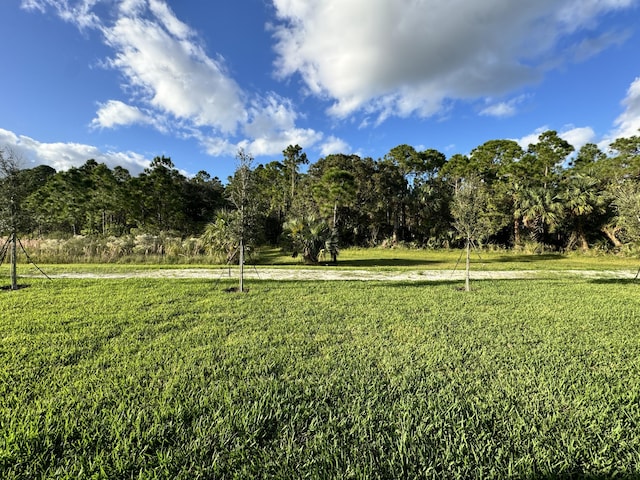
(531,138)
(114,113)
(174,85)
(406,57)
(333,145)
(80,13)
(380,58)
(576,136)
(628,123)
(273,126)
(173,74)
(503,109)
(63,156)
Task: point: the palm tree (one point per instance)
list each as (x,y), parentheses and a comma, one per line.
(540,211)
(219,237)
(309,237)
(582,201)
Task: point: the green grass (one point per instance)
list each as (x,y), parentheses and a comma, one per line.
(376,259)
(145,378)
(482,260)
(406,258)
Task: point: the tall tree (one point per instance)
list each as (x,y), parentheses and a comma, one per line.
(627,204)
(61,203)
(588,157)
(546,157)
(33,179)
(293,158)
(540,210)
(163,190)
(12,195)
(335,189)
(584,204)
(494,159)
(242,194)
(272,192)
(203,196)
(471,217)
(627,156)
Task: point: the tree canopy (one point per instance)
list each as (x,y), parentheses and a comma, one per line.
(547,194)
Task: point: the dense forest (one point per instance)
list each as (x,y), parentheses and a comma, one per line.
(548,194)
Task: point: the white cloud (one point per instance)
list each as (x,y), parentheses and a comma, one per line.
(114,113)
(628,123)
(334,145)
(80,13)
(576,136)
(174,75)
(132,7)
(531,138)
(502,109)
(63,156)
(404,57)
(272,126)
(575,13)
(173,25)
(592,46)
(176,87)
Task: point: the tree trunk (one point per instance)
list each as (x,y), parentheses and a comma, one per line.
(241,262)
(14,261)
(516,232)
(467,287)
(610,232)
(582,238)
(396,227)
(293,182)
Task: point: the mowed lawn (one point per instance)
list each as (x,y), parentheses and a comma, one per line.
(151,378)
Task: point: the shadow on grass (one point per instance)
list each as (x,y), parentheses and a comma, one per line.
(587,476)
(529,258)
(275,256)
(457,284)
(384,262)
(616,281)
(417,284)
(8,288)
(284,261)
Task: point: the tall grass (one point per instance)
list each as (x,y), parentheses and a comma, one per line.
(177,379)
(167,249)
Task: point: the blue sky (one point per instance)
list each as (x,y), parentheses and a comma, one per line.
(123,81)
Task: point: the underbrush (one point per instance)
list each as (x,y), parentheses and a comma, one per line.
(145,378)
(168,249)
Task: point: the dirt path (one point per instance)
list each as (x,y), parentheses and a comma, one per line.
(265,273)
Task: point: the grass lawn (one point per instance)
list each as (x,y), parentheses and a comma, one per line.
(373,259)
(149,378)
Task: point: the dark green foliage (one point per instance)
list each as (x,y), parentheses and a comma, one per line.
(13,191)
(308,237)
(546,195)
(627,204)
(95,200)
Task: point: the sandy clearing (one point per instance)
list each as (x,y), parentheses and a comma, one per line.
(265,273)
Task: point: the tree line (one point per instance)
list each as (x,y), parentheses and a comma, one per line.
(548,194)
